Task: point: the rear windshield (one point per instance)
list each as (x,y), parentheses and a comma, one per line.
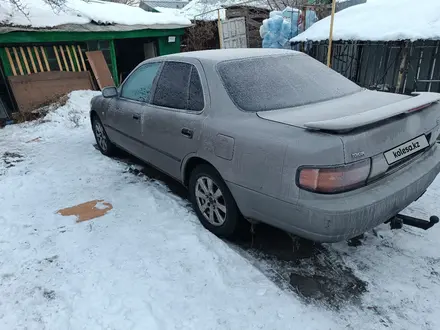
(270,83)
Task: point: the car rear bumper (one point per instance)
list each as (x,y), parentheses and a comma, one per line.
(332,218)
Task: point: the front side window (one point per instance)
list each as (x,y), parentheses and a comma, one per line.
(179,87)
(270,83)
(138,85)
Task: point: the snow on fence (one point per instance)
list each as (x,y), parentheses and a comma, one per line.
(395,66)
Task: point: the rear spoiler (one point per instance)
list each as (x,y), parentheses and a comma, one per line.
(420,101)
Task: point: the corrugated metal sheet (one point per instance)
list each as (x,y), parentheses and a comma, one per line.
(92,28)
(176,4)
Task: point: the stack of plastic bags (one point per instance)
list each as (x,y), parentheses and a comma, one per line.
(281,26)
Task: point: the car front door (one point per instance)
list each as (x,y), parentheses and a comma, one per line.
(173,122)
(125,111)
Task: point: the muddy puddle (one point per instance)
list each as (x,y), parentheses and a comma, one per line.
(314,272)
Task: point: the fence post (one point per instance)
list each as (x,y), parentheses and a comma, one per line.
(220,30)
(330,39)
(402,67)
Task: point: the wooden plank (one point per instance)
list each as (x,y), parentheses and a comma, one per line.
(76,58)
(39,89)
(70,58)
(100,69)
(29,50)
(43,53)
(26,64)
(11,62)
(114,64)
(38,59)
(82,58)
(58,58)
(17,58)
(64,58)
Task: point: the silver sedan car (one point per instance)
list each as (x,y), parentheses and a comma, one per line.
(274,136)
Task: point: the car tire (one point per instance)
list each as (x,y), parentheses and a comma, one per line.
(213,203)
(104,144)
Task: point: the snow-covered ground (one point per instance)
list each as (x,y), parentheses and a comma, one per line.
(149,264)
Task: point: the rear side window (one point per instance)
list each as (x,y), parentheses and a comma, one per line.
(270,83)
(179,87)
(139,83)
(195,97)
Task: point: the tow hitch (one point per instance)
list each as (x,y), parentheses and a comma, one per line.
(399,220)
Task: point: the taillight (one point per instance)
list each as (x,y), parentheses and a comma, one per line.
(334,179)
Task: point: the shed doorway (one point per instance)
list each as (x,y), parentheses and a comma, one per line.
(131,52)
(7,105)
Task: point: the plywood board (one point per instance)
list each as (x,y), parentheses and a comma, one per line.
(100,69)
(38,89)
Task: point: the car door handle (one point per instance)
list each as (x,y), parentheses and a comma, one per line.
(136,117)
(187,132)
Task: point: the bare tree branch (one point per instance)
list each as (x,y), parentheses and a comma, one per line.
(18,5)
(201,36)
(21,6)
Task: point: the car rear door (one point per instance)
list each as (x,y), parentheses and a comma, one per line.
(125,112)
(172,124)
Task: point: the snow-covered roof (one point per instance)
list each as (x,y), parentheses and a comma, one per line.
(172,11)
(39,14)
(207,9)
(380,20)
(174,4)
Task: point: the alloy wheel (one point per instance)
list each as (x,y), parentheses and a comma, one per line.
(210,201)
(100,136)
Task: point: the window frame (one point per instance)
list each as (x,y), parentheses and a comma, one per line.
(153,86)
(204,90)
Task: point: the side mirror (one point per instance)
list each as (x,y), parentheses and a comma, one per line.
(109,92)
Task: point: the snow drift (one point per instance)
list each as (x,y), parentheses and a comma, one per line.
(39,14)
(380,20)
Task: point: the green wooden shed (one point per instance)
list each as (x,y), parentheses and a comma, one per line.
(26,50)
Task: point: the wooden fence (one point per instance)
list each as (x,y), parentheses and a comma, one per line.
(34,59)
(397,66)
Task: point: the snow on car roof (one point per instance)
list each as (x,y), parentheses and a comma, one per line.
(217,55)
(380,20)
(39,14)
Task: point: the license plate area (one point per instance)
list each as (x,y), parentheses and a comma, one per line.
(406,149)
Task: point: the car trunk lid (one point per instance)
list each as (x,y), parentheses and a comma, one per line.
(369,123)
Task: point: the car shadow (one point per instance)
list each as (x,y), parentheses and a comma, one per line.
(313,271)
